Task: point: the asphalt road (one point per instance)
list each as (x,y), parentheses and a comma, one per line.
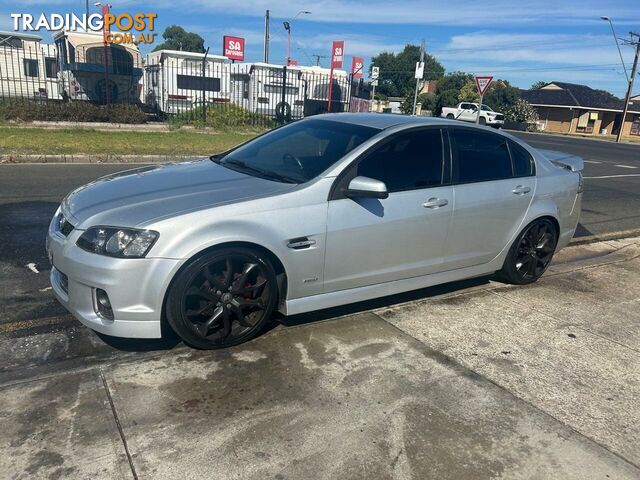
(30,194)
(611,201)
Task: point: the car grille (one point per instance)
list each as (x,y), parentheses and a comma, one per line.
(499,117)
(64,226)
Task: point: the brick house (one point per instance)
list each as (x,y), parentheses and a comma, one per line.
(572,108)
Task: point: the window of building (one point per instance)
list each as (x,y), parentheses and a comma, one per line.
(10,41)
(193,82)
(51,67)
(409,161)
(635,126)
(479,156)
(30,67)
(587,121)
(277,89)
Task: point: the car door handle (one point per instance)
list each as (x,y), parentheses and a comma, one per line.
(435,203)
(521,190)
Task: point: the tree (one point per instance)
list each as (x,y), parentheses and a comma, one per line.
(448,90)
(501,96)
(397,70)
(177,38)
(522,111)
(538,84)
(469,92)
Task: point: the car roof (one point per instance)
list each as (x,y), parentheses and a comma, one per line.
(387,120)
(383,120)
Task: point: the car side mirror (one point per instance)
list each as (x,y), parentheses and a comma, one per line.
(365,187)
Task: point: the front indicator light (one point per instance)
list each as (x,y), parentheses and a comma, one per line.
(118,242)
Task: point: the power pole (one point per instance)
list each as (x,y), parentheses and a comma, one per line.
(636,43)
(318,57)
(415,94)
(266,37)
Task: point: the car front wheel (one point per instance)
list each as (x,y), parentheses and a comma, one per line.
(531,253)
(222,298)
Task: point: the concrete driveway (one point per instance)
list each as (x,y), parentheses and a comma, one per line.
(489,381)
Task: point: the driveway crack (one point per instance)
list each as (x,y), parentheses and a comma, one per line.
(118,425)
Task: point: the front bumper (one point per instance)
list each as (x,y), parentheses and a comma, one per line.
(135,287)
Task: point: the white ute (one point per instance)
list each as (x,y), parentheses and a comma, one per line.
(467,112)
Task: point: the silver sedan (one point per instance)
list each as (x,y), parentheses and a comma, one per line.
(325,211)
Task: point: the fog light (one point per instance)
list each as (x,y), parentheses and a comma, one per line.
(103,304)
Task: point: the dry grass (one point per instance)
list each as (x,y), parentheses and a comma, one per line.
(39,141)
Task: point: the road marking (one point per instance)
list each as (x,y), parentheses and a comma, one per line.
(624,166)
(615,176)
(591,161)
(12,327)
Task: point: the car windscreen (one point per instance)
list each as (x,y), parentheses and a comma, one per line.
(299,151)
(486,108)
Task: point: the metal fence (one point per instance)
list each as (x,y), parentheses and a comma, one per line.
(252,92)
(176,86)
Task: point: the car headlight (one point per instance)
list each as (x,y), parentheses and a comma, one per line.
(118,242)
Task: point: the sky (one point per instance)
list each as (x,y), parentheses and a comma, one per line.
(520,41)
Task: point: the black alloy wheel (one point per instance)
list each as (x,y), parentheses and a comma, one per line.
(222,298)
(531,253)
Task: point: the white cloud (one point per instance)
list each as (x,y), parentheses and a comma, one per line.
(423,12)
(355,44)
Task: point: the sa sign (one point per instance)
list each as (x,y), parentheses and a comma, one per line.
(483,83)
(337,53)
(357,64)
(233,47)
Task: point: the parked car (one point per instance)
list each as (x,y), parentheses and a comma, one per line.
(468,112)
(326,211)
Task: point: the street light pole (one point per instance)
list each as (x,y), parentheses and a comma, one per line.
(630,88)
(287,27)
(615,38)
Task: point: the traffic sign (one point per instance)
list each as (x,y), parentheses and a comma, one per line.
(419,70)
(483,83)
(375,73)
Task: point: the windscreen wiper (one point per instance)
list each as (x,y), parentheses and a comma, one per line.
(258,171)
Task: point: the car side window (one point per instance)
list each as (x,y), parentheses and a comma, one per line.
(479,156)
(523,164)
(408,161)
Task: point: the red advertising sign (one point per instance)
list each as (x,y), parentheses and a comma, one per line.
(293,62)
(337,53)
(357,65)
(483,83)
(233,47)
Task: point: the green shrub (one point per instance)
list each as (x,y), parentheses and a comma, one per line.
(221,116)
(25,110)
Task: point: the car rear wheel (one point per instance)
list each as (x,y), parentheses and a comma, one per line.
(222,298)
(450,116)
(531,253)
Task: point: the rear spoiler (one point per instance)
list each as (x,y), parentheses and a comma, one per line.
(564,160)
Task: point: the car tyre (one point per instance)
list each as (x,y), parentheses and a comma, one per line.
(450,116)
(483,121)
(222,298)
(531,253)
